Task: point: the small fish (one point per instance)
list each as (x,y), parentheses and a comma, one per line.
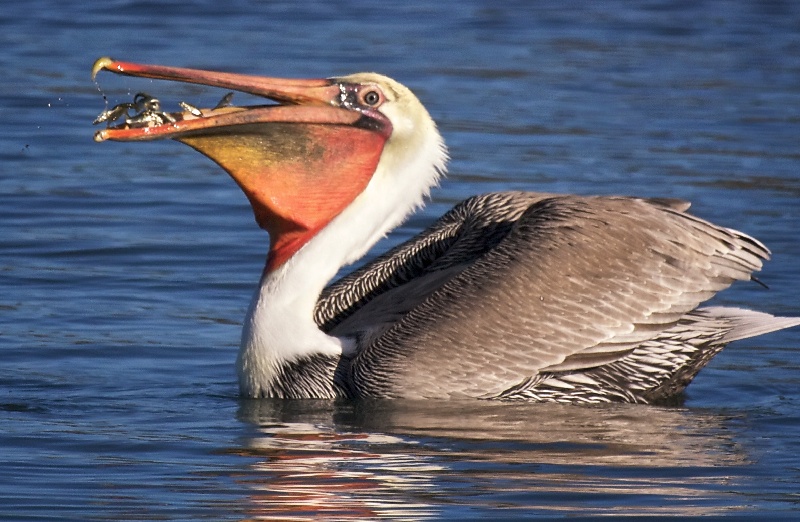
(149,119)
(146,103)
(225,101)
(114,113)
(145,111)
(191,109)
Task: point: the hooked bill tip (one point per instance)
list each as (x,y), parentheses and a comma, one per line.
(100,64)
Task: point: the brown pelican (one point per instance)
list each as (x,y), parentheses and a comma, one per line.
(512,295)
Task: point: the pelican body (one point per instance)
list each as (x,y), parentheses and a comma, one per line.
(510,295)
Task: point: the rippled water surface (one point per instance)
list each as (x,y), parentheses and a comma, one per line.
(125,269)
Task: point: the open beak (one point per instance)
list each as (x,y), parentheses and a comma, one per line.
(300,162)
(301,101)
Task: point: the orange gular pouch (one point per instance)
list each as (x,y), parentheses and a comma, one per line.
(297,176)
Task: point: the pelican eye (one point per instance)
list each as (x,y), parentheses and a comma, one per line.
(371,97)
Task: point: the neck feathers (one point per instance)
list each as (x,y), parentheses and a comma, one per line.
(279,329)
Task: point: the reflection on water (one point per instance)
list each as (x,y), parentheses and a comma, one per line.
(312,470)
(408,459)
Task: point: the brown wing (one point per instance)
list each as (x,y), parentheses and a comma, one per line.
(575,282)
(461,236)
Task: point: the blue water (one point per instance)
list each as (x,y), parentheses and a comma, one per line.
(126,269)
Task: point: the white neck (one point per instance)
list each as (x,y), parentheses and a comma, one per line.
(280,325)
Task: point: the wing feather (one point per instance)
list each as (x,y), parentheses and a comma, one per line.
(574,282)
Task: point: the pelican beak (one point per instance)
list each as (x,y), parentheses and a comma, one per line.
(300,162)
(301,101)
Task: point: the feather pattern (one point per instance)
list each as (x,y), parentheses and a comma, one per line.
(520,295)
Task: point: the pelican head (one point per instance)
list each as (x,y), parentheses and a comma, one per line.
(302,161)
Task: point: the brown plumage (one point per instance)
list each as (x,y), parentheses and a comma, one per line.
(545,297)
